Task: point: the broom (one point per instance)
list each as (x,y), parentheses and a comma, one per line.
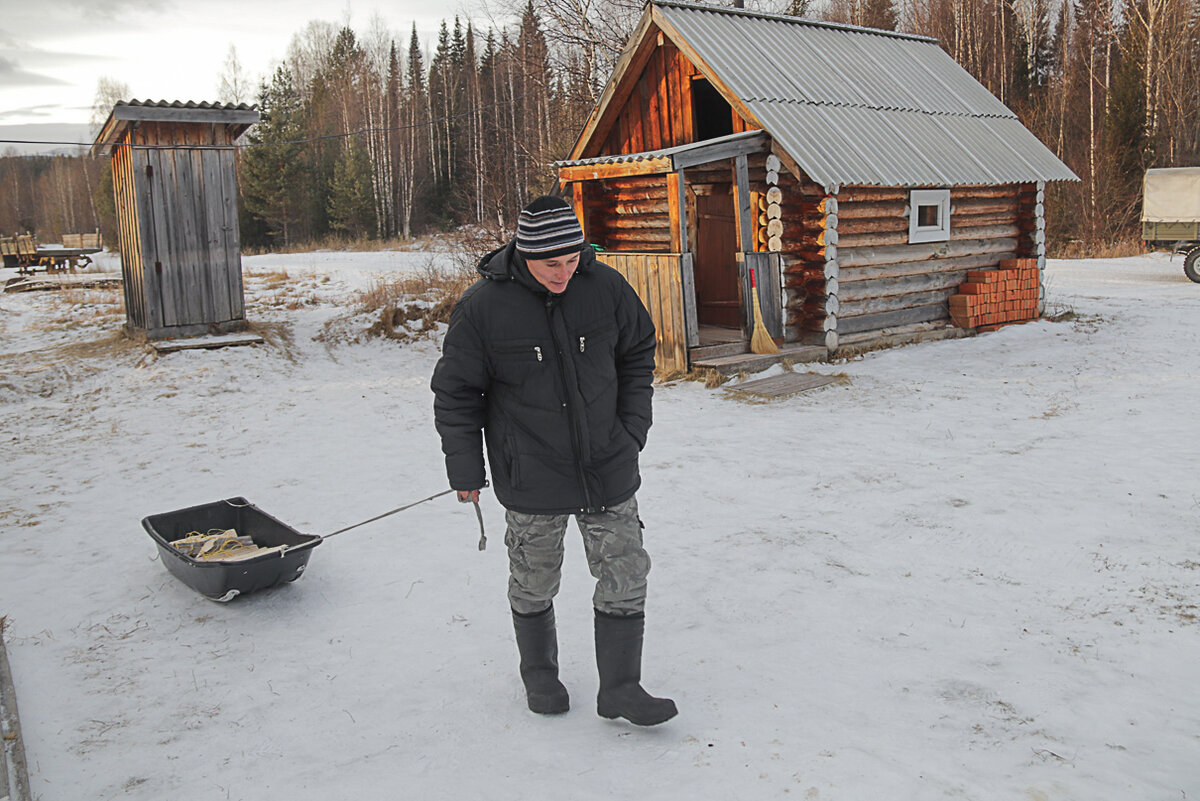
(760,340)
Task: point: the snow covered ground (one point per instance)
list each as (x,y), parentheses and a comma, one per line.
(969,571)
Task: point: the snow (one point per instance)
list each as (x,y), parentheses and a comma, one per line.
(967,571)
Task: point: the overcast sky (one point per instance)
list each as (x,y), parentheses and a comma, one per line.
(53,52)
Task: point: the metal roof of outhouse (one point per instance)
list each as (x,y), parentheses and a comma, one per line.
(855,105)
(236,117)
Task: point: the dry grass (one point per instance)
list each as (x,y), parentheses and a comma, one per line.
(271,279)
(406,309)
(710,378)
(438,286)
(355,244)
(76,307)
(1110,249)
(278,289)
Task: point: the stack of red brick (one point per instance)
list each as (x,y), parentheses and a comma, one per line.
(1008,294)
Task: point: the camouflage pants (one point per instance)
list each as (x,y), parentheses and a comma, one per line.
(612,540)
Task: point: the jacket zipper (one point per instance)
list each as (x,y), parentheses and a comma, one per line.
(537,351)
(571,411)
(582,343)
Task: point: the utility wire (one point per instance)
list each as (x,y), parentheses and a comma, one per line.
(248,145)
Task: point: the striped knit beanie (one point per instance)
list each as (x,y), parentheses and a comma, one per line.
(548,228)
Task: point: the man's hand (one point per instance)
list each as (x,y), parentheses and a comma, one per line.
(468,496)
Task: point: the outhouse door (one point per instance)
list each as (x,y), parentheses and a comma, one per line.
(192,254)
(718,287)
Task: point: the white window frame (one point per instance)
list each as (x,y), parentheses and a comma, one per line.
(929,233)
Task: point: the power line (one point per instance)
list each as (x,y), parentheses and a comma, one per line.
(309,140)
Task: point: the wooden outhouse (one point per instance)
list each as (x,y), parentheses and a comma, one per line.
(860,173)
(176,196)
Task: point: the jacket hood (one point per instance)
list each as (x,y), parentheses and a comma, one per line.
(507,264)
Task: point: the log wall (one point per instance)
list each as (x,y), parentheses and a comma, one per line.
(633,212)
(848,272)
(849,268)
(630,213)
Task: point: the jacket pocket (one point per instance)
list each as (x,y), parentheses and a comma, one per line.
(514,462)
(598,338)
(522,374)
(595,359)
(529,353)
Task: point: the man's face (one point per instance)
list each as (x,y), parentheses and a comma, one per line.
(554,273)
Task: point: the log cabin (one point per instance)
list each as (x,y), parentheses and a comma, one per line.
(175,186)
(860,174)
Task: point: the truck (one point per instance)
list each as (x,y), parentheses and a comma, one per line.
(1171,214)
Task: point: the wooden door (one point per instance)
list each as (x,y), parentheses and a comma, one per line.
(718,293)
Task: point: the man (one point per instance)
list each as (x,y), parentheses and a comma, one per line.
(549,358)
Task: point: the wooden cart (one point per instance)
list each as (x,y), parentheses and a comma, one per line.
(24,253)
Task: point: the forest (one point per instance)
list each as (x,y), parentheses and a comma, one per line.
(369,135)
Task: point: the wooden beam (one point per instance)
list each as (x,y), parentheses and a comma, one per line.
(12,752)
(688,281)
(856,291)
(580,206)
(719,151)
(187,115)
(741,203)
(655,80)
(852,275)
(676,212)
(869,257)
(595,172)
(891,319)
(670,57)
(788,162)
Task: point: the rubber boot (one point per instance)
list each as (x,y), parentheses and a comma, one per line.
(619,660)
(538,644)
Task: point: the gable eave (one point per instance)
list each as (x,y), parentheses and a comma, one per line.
(628,71)
(600,121)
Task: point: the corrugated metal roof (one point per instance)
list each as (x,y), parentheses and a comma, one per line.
(189,104)
(859,106)
(237,118)
(650,155)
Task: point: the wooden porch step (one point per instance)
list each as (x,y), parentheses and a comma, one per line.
(782,386)
(756,362)
(205,342)
(719,349)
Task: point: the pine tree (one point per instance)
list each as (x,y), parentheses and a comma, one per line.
(393,138)
(494,178)
(351,202)
(471,165)
(413,163)
(534,98)
(272,168)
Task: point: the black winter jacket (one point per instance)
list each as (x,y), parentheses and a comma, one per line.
(560,386)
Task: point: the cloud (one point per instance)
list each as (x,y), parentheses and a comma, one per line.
(44,110)
(105,10)
(33,24)
(12,76)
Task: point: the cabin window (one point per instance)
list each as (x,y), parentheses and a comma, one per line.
(929,215)
(713,116)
